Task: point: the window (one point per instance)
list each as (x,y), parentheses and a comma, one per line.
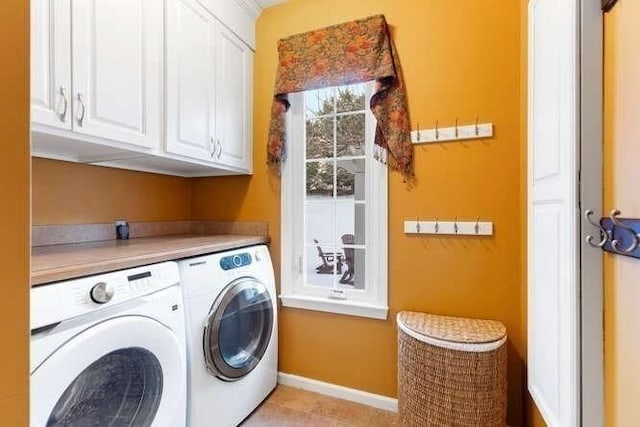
(334,205)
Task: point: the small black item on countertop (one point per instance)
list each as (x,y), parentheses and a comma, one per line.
(122,231)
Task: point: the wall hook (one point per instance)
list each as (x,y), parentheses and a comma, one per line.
(451,227)
(456,127)
(418,131)
(603,231)
(616,243)
(477,130)
(437,131)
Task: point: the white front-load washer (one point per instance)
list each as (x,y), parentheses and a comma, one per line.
(109,350)
(232,344)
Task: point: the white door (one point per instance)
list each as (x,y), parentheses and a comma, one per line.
(553,211)
(190,96)
(233,113)
(51,63)
(124,371)
(117,70)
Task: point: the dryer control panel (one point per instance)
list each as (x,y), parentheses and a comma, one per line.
(235,261)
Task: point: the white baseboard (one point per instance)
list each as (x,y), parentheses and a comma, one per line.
(333,390)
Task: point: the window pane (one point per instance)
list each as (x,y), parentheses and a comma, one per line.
(319,221)
(350,98)
(350,222)
(320,138)
(351,178)
(350,138)
(322,261)
(352,275)
(350,211)
(319,183)
(319,102)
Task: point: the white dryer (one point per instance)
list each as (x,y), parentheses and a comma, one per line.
(109,350)
(232,345)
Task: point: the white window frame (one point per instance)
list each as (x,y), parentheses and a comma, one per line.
(373,302)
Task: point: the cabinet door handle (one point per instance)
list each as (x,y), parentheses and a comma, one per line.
(211,147)
(82,110)
(220,149)
(65,104)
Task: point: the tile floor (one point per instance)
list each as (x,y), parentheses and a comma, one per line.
(288,406)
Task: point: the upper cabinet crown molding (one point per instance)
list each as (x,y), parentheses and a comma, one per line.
(251,7)
(268,3)
(239,16)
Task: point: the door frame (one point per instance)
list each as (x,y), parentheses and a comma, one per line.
(591,197)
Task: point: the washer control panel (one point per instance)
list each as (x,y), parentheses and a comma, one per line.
(235,261)
(65,300)
(142,282)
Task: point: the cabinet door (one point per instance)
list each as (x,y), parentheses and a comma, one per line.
(190,80)
(117,70)
(233,112)
(51,63)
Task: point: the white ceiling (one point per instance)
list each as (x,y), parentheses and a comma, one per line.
(267,3)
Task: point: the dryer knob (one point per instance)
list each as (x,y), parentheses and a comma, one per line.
(257,256)
(101,293)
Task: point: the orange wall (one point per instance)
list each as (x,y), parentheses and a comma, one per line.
(622,175)
(460,59)
(71,193)
(14,227)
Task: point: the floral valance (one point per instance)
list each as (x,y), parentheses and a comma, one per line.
(353,52)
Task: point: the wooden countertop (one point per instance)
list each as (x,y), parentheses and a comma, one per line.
(69,261)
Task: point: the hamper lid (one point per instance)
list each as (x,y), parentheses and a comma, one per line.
(453,329)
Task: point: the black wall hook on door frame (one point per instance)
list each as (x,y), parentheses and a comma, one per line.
(624,235)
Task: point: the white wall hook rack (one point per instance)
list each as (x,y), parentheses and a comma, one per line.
(455,133)
(449,228)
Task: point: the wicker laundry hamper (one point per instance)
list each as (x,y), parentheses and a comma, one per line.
(452,371)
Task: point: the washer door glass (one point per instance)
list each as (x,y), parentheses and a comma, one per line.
(126,371)
(239,329)
(122,388)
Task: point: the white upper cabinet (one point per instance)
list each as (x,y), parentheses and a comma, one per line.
(156,85)
(190,91)
(51,63)
(208,89)
(117,70)
(233,109)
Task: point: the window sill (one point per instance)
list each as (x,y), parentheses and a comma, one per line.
(350,308)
